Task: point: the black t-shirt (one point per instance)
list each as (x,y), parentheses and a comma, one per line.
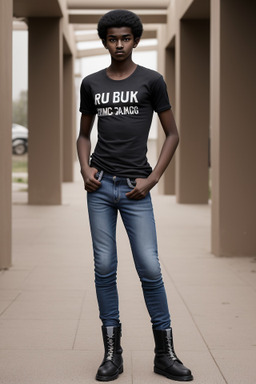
(125,109)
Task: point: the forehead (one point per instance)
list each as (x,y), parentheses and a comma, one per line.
(114,31)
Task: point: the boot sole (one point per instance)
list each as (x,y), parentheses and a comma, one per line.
(177,378)
(110,378)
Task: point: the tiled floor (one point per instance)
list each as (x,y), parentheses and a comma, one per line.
(49,326)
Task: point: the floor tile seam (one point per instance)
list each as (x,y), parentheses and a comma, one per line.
(211,285)
(39,318)
(5,309)
(20,269)
(194,322)
(79,320)
(8,320)
(10,289)
(216,349)
(25,269)
(27,289)
(132,366)
(47,300)
(29,349)
(27,277)
(10,304)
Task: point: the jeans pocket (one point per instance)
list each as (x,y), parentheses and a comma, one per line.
(99,175)
(131,182)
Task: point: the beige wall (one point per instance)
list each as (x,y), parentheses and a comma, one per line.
(233,122)
(5,131)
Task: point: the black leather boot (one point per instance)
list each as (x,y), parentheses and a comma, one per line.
(112,364)
(166,362)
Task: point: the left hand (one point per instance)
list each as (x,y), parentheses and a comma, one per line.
(143,186)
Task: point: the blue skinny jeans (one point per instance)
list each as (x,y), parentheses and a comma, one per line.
(138,219)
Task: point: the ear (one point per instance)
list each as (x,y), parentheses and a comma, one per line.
(136,42)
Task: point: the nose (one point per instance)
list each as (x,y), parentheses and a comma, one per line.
(119,44)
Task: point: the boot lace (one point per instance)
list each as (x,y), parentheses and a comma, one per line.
(170,349)
(110,351)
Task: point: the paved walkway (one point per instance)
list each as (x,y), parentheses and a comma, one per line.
(49,326)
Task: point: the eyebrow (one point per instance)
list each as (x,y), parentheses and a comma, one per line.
(126,35)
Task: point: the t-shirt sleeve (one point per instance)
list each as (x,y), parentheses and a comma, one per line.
(87,105)
(159,95)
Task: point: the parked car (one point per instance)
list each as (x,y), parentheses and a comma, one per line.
(19,139)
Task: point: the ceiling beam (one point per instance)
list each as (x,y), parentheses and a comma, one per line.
(93,16)
(32,8)
(91,27)
(85,27)
(19,25)
(115,4)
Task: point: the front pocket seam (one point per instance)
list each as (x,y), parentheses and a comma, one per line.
(130,183)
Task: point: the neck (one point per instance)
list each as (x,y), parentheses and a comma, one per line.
(119,69)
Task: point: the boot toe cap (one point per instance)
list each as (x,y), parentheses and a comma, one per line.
(180,368)
(176,371)
(107,369)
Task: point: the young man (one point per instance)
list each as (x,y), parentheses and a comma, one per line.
(118,177)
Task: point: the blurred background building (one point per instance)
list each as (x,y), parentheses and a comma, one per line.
(206,51)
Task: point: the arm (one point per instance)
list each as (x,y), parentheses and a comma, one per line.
(169,146)
(84,149)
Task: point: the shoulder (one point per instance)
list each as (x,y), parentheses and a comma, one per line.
(96,76)
(149,74)
(152,79)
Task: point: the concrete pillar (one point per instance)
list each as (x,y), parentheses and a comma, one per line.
(169,175)
(5,132)
(233,122)
(192,111)
(68,118)
(45,110)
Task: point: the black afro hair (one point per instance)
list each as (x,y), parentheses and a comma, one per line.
(120,18)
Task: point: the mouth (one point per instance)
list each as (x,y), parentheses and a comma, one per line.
(119,52)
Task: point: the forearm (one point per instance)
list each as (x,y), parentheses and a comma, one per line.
(83,141)
(169,146)
(91,184)
(168,149)
(83,151)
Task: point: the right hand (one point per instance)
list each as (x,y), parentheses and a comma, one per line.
(91,184)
